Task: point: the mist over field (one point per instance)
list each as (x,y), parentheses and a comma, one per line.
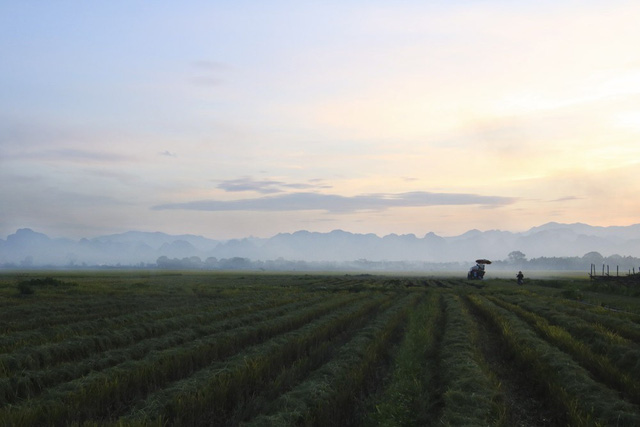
(28,248)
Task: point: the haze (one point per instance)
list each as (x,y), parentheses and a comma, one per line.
(230,119)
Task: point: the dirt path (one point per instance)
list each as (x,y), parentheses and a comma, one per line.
(526,406)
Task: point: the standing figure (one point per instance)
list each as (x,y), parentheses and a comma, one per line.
(520,277)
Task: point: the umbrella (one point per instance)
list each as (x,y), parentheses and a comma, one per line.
(483,261)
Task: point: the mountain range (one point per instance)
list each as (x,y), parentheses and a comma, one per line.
(28,248)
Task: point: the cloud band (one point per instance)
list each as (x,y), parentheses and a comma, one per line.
(336,203)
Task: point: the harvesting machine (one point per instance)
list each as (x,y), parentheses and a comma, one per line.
(477,271)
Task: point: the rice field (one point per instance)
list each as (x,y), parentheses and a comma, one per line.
(165,348)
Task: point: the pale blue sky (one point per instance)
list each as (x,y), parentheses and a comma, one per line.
(230,119)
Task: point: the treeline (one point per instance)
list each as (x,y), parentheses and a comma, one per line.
(515,260)
(624,264)
(281,264)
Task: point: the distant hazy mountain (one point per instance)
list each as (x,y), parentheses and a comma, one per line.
(30,248)
(622,232)
(157,239)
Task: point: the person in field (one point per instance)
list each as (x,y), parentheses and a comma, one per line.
(520,277)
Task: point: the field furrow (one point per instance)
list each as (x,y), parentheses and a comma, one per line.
(229,390)
(82,343)
(29,383)
(617,322)
(584,400)
(101,393)
(412,395)
(524,402)
(204,348)
(600,366)
(329,395)
(599,335)
(470,395)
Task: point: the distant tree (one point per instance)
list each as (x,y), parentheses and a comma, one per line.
(192,262)
(211,262)
(615,259)
(236,263)
(169,263)
(593,258)
(517,257)
(163,262)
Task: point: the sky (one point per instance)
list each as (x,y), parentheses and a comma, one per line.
(245,118)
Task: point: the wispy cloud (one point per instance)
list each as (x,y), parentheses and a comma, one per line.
(340,204)
(205,81)
(208,73)
(567,199)
(248,184)
(73,155)
(204,64)
(168,153)
(44,141)
(121,176)
(266,186)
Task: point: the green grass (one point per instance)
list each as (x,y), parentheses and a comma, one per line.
(411,396)
(576,393)
(198,348)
